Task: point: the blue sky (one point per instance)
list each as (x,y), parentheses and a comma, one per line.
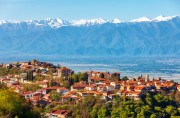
(87,9)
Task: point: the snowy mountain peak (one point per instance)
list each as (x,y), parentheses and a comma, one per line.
(88,22)
(163,18)
(142,19)
(116,20)
(54,22)
(2,22)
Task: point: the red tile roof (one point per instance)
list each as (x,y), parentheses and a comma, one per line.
(79,85)
(62,112)
(140,87)
(98,79)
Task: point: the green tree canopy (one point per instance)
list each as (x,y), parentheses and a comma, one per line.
(12,104)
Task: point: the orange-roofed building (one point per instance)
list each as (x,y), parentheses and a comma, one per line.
(85,93)
(90,88)
(35,100)
(43,84)
(60,114)
(98,74)
(78,87)
(64,71)
(165,85)
(101,88)
(49,89)
(28,94)
(96,79)
(115,84)
(127,87)
(131,82)
(141,88)
(178,87)
(71,97)
(132,94)
(62,90)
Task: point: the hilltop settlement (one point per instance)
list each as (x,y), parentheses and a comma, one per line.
(55,91)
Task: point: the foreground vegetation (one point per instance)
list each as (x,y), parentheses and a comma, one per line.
(14,105)
(150,106)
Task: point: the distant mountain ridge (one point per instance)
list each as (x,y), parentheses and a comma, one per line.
(58,22)
(96,37)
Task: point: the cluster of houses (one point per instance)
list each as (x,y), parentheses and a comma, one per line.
(98,84)
(34,67)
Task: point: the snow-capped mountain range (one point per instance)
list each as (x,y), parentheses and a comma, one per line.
(143,36)
(57,22)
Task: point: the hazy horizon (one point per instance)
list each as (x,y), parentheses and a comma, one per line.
(86,9)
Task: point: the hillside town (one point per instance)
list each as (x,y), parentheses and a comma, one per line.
(42,83)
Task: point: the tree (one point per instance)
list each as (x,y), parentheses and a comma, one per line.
(15,70)
(125,78)
(31,87)
(3,86)
(82,76)
(39,77)
(148,99)
(177,97)
(117,101)
(51,71)
(101,75)
(75,78)
(66,84)
(124,114)
(159,111)
(114,77)
(115,113)
(30,76)
(55,96)
(172,95)
(147,110)
(94,111)
(85,77)
(88,102)
(161,100)
(12,104)
(172,111)
(102,113)
(153,116)
(3,71)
